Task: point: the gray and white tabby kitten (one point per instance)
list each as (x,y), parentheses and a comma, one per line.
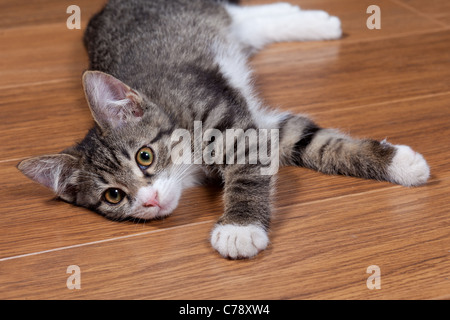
(158,66)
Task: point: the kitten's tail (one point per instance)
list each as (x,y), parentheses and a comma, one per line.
(305,144)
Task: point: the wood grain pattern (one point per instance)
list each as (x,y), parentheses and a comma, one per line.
(437,10)
(396,68)
(318,250)
(390,83)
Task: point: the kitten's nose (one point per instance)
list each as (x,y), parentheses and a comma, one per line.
(152,201)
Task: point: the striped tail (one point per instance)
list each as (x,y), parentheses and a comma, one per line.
(305,144)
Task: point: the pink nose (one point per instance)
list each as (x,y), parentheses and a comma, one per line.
(152,201)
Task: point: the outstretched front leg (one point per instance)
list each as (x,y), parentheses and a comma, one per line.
(305,144)
(241,232)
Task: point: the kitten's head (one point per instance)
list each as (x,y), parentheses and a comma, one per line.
(122,168)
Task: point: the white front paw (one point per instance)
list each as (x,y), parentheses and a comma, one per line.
(234,241)
(408,167)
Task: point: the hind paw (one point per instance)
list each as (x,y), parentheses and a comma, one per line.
(408,167)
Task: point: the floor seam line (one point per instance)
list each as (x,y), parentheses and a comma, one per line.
(416,11)
(102,241)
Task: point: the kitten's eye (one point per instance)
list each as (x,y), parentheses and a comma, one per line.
(114,196)
(144,157)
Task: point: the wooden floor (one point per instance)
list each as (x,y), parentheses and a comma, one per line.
(391,83)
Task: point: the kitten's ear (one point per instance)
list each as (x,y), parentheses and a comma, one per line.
(56,172)
(112,102)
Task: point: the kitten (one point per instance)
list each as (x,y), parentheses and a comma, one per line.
(163,65)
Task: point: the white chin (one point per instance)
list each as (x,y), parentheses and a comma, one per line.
(149,213)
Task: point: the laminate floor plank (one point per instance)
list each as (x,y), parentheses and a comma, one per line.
(437,9)
(337,75)
(42,119)
(320,250)
(32,13)
(40,54)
